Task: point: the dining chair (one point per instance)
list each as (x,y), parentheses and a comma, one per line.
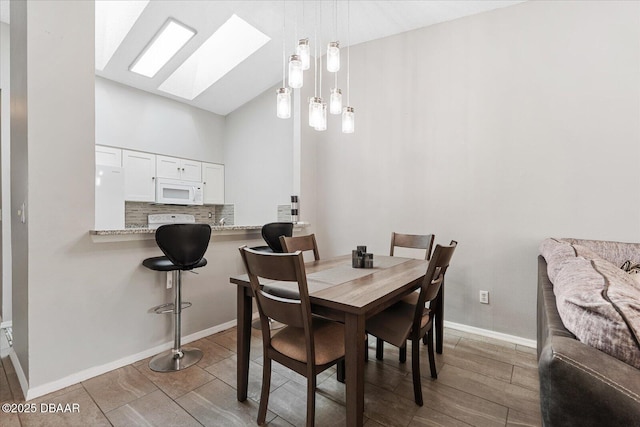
(402,321)
(308,344)
(411,241)
(301,243)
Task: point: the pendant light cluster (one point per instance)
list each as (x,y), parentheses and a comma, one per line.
(300,62)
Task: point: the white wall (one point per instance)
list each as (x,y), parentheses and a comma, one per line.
(258,160)
(496,130)
(138,120)
(81,306)
(5,171)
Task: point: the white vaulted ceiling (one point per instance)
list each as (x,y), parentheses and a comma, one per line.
(369,20)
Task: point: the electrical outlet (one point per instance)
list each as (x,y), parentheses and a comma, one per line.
(169,279)
(484,297)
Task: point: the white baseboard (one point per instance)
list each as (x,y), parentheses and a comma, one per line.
(491,334)
(41,390)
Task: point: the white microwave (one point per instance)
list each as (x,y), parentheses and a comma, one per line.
(176,192)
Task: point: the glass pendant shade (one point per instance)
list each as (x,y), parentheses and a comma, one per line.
(333,57)
(315,111)
(304,53)
(348,120)
(335,102)
(283,103)
(322,123)
(295,71)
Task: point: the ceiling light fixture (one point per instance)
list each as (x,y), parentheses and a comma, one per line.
(304,53)
(231,44)
(114,20)
(298,63)
(165,44)
(333,57)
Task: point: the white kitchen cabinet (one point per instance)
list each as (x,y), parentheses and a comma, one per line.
(191,170)
(176,168)
(108,156)
(139,176)
(213,183)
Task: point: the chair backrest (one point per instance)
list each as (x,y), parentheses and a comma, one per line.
(301,243)
(436,270)
(413,241)
(184,244)
(271,234)
(287,267)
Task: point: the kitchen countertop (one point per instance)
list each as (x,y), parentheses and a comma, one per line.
(137,233)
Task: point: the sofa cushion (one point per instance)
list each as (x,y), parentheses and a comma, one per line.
(600,304)
(615,252)
(557,253)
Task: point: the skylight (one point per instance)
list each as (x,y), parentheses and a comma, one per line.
(114,20)
(231,44)
(166,43)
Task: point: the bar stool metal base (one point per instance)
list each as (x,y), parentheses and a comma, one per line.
(172,361)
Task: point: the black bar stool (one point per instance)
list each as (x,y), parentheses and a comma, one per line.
(271,233)
(184,246)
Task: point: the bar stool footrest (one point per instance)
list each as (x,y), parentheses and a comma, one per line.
(169,307)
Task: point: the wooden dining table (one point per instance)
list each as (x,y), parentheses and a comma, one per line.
(345,294)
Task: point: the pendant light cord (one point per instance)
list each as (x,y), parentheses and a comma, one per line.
(348,52)
(320,90)
(284,55)
(315,54)
(335,21)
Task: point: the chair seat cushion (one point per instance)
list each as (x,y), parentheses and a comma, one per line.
(328,340)
(393,325)
(287,290)
(162,263)
(262,249)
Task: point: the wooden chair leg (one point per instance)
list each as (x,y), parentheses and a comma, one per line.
(311,400)
(415,369)
(424,339)
(432,360)
(379,349)
(264,396)
(403,354)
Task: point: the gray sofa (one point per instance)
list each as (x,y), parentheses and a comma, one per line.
(581,385)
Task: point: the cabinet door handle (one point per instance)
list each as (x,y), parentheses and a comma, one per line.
(182,169)
(205,182)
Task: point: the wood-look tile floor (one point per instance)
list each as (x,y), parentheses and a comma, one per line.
(481,382)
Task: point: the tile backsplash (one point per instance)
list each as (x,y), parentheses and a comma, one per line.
(284,213)
(135,213)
